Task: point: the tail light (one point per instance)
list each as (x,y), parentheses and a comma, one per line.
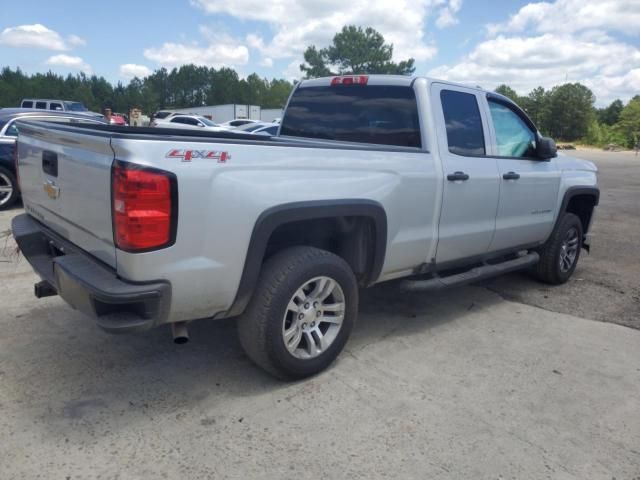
(350,80)
(144,207)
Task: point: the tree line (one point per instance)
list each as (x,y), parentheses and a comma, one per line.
(187,86)
(567,113)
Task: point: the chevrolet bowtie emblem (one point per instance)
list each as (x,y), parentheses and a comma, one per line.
(51,189)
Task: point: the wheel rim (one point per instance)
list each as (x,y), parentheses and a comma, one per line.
(569,250)
(6,188)
(313,318)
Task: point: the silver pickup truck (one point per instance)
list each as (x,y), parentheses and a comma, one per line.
(370,178)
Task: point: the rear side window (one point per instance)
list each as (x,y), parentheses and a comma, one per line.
(27,104)
(464,124)
(386,115)
(42,105)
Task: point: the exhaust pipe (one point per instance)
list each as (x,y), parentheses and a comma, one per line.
(180,332)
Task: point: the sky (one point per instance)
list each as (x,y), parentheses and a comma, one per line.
(485,43)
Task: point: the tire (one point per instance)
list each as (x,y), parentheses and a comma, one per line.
(277,308)
(554,266)
(8,181)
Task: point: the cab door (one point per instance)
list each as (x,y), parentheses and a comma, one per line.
(528,184)
(471,180)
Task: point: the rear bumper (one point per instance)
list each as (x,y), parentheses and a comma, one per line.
(87,284)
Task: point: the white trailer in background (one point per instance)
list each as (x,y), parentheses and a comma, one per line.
(254,112)
(270,114)
(224,113)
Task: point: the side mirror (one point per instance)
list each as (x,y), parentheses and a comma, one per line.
(546,148)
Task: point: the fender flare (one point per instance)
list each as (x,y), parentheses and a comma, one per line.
(578,190)
(569,194)
(274,217)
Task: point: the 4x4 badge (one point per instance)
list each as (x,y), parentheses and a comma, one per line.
(188,155)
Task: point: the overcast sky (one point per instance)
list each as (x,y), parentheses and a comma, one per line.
(596,42)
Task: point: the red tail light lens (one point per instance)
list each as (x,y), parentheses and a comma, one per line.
(350,80)
(144,203)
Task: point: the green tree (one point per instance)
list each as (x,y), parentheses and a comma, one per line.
(610,114)
(570,111)
(629,123)
(536,105)
(354,50)
(508,92)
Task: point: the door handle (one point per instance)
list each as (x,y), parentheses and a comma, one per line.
(452,177)
(511,176)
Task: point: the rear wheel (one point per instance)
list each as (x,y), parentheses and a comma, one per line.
(301,313)
(8,189)
(559,256)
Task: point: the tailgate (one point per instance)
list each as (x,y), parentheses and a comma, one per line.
(65,179)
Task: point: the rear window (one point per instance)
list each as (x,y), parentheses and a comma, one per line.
(385,115)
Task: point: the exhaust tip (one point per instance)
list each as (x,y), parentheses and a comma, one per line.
(180,340)
(180,333)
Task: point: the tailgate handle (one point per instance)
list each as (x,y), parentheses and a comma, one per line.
(50,163)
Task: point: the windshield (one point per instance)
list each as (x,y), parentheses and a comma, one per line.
(208,122)
(251,127)
(75,107)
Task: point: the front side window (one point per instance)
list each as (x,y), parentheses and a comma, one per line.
(379,114)
(513,136)
(55,106)
(465,135)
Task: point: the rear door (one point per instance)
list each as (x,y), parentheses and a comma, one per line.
(471,181)
(65,178)
(528,185)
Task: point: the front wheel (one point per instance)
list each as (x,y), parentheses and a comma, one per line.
(301,313)
(559,256)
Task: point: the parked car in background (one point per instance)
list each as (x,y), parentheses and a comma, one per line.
(57,105)
(9,191)
(259,128)
(189,121)
(238,122)
(161,115)
(271,129)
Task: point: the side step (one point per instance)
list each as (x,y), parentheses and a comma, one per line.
(474,275)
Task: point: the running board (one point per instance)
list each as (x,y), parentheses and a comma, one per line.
(473,275)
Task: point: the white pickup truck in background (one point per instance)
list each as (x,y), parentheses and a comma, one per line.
(370,178)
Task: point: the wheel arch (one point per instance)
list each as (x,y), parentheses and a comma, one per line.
(283,215)
(581,201)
